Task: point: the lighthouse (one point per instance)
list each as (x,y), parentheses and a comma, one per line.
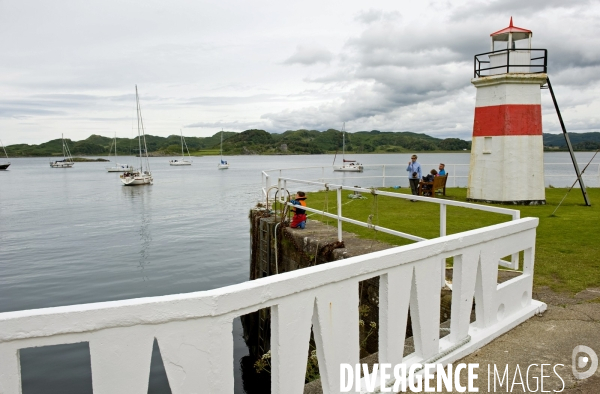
(507,152)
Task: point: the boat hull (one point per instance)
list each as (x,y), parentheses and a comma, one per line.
(119,169)
(180,163)
(222,166)
(348,168)
(4,166)
(58,164)
(136,179)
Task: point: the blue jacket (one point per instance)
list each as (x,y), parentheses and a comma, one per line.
(300,201)
(414,167)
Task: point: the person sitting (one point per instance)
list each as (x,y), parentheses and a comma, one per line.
(442,171)
(299,218)
(426,188)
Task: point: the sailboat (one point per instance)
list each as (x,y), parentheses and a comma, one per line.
(183,161)
(347,165)
(140,176)
(4,166)
(118,167)
(223,164)
(67,161)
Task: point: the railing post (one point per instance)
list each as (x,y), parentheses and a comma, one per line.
(268,185)
(339,213)
(514,258)
(283,190)
(454,176)
(383,185)
(279,189)
(442,234)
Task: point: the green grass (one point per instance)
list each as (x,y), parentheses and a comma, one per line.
(567,246)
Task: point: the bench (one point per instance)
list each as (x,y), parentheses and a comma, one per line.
(439,182)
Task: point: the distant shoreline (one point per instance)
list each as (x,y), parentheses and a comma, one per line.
(85,159)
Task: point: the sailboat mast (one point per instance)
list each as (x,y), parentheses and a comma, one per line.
(137,107)
(5,154)
(221,144)
(182,155)
(344,141)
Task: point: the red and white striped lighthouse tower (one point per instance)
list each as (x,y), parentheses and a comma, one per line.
(507,162)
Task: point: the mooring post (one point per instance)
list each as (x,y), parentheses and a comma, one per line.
(383,176)
(339,213)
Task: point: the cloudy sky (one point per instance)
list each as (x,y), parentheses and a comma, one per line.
(71,66)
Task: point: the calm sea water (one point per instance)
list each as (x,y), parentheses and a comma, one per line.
(77,235)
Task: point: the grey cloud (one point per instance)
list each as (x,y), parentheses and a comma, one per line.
(230,125)
(512,8)
(309,55)
(373,15)
(232,100)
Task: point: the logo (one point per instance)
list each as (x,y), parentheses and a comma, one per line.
(590,360)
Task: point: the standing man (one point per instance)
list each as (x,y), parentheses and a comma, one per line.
(441,171)
(414,174)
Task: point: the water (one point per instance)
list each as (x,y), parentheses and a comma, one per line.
(77,236)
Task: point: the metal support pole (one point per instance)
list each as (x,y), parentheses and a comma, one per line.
(564,129)
(442,234)
(339,213)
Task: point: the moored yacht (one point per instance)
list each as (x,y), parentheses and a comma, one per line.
(140,176)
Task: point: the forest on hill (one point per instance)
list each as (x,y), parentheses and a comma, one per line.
(291,142)
(252,142)
(580,141)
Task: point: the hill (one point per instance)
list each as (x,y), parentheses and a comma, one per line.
(580,141)
(253,142)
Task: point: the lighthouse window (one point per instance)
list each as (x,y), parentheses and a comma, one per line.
(487,144)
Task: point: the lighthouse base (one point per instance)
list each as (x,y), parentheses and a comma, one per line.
(516,202)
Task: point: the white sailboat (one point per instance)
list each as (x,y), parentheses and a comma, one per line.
(223,164)
(118,167)
(347,165)
(140,176)
(67,161)
(183,161)
(4,166)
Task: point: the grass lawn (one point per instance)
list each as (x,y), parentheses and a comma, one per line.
(567,247)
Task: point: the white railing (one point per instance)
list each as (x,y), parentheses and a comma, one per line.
(283,184)
(386,179)
(395,174)
(194,331)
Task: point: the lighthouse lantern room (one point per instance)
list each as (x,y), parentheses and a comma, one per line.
(507,163)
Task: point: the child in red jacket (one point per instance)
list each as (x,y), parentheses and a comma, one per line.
(299,219)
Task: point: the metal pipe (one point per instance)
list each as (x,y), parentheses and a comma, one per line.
(339,213)
(564,129)
(276,262)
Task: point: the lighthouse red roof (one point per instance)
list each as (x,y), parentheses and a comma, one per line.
(510,29)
